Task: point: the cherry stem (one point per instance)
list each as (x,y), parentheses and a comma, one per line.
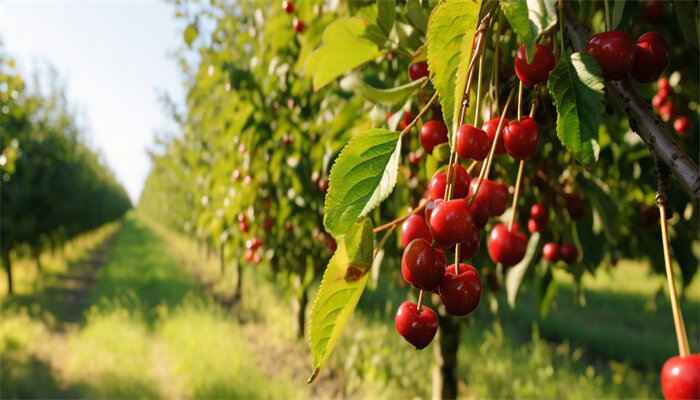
(383,241)
(516,194)
(420,114)
(478,88)
(420,301)
(397,221)
(681,336)
(486,167)
(520,98)
(457,248)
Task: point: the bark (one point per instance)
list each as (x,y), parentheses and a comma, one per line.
(641,117)
(445,372)
(8,267)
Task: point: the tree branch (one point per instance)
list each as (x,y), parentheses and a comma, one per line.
(641,117)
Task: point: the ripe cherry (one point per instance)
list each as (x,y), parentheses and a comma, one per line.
(438,183)
(236,175)
(414,158)
(241,148)
(682,125)
(423,266)
(473,143)
(460,294)
(268,223)
(568,253)
(299,25)
(480,212)
(680,377)
(247,180)
(417,327)
(430,207)
(667,111)
(289,227)
(330,243)
(256,259)
(418,70)
(576,206)
(287,139)
(288,6)
(254,243)
(432,134)
(450,222)
(534,225)
(550,251)
(614,50)
(493,194)
(538,71)
(654,11)
(243,226)
(521,138)
(506,247)
(407,119)
(468,248)
(651,57)
(539,212)
(659,98)
(649,216)
(490,127)
(249,254)
(241,217)
(413,228)
(323,185)
(663,83)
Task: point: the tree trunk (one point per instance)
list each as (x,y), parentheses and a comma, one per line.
(8,267)
(445,371)
(222,263)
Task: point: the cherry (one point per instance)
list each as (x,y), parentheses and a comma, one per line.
(654,11)
(418,70)
(468,248)
(330,243)
(506,247)
(423,266)
(241,148)
(249,254)
(288,6)
(289,227)
(651,57)
(534,225)
(460,294)
(614,50)
(521,138)
(667,111)
(450,222)
(537,71)
(473,143)
(490,127)
(680,377)
(268,223)
(247,180)
(407,119)
(659,98)
(682,125)
(663,83)
(438,184)
(480,212)
(430,207)
(415,227)
(299,25)
(493,194)
(568,253)
(254,243)
(287,139)
(432,134)
(539,212)
(323,185)
(256,259)
(417,327)
(576,206)
(550,251)
(236,174)
(649,216)
(243,226)
(414,158)
(241,217)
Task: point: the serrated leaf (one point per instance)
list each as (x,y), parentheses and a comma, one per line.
(451,31)
(529,18)
(363,175)
(394,95)
(344,47)
(386,16)
(516,273)
(576,85)
(337,296)
(415,14)
(618,9)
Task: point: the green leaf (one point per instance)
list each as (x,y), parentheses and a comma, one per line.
(516,273)
(338,296)
(576,86)
(618,9)
(395,95)
(687,15)
(450,37)
(529,18)
(387,15)
(344,48)
(363,175)
(546,289)
(190,34)
(416,15)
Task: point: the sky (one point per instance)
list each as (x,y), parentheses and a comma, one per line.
(115,60)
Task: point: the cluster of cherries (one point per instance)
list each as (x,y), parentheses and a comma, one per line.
(299,25)
(667,109)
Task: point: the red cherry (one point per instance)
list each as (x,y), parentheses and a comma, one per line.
(254,243)
(521,138)
(537,71)
(649,216)
(493,194)
(568,253)
(287,139)
(236,174)
(241,217)
(430,207)
(438,183)
(407,119)
(450,222)
(539,212)
(506,247)
(423,266)
(256,259)
(418,70)
(298,25)
(651,57)
(614,50)
(680,377)
(654,11)
(667,111)
(576,206)
(323,185)
(289,227)
(659,98)
(332,245)
(490,127)
(432,134)
(473,143)
(418,328)
(241,148)
(663,83)
(268,223)
(468,248)
(243,227)
(550,251)
(247,180)
(414,158)
(682,125)
(413,228)
(534,225)
(249,254)
(460,294)
(480,211)
(288,6)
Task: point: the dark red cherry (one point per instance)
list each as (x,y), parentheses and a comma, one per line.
(249,254)
(331,243)
(414,158)
(451,222)
(550,251)
(682,125)
(506,247)
(667,111)
(539,212)
(418,70)
(651,57)
(661,97)
(430,207)
(460,294)
(649,216)
(521,138)
(323,185)
(236,175)
(288,6)
(614,50)
(406,120)
(493,194)
(243,226)
(432,134)
(480,211)
(537,71)
(568,253)
(576,206)
(415,227)
(534,225)
(473,143)
(423,266)
(680,377)
(470,247)
(490,127)
(299,25)
(654,11)
(268,223)
(417,327)
(438,183)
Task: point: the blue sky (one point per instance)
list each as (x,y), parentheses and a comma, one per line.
(115,59)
